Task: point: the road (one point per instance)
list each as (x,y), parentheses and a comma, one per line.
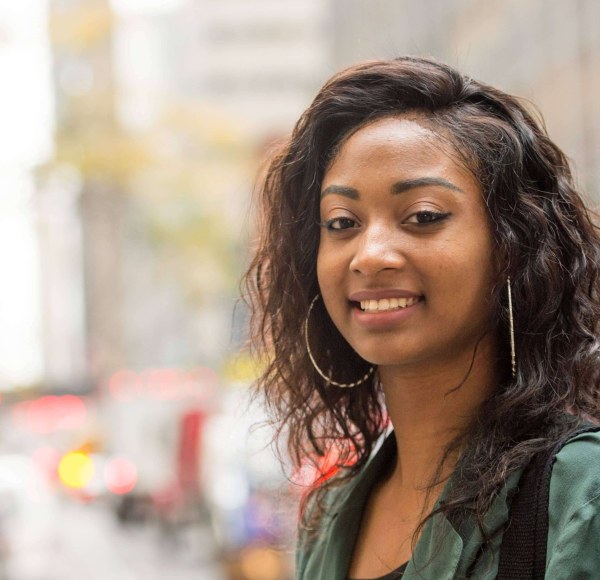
(86,542)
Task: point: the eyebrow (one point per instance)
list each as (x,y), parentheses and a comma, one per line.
(341,190)
(398,187)
(403,186)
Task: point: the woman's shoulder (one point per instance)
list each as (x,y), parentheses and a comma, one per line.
(576,470)
(328,502)
(574,506)
(320,548)
(575,476)
(323,551)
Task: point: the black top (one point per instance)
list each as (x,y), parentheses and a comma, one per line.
(393,575)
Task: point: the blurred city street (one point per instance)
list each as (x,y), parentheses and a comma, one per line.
(132,134)
(87,542)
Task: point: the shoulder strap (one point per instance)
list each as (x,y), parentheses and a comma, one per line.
(524,545)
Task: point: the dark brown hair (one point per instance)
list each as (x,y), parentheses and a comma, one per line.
(550,249)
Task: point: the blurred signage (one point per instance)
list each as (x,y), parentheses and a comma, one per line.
(50,413)
(200,384)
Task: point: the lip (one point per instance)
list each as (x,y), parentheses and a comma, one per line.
(382,293)
(387,319)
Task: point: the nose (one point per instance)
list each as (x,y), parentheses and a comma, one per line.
(378,248)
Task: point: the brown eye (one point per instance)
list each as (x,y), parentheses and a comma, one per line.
(338,224)
(423,218)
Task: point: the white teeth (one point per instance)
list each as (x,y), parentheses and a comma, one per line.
(387,304)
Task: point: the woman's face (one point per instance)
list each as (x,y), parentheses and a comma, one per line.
(405,262)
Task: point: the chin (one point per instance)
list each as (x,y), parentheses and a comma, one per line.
(383,357)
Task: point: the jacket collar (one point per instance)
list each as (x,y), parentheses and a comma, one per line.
(457,546)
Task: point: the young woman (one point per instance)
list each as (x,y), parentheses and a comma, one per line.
(427,274)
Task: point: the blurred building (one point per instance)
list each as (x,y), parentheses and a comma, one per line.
(159,119)
(547,51)
(80,207)
(259,62)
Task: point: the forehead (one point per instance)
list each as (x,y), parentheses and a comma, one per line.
(399,145)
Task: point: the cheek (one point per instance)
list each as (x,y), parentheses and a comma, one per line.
(325,278)
(463,274)
(321,268)
(327,266)
(478,278)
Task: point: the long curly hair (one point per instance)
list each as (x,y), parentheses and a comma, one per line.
(549,245)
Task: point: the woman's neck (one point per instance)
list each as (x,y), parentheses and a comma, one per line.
(431,406)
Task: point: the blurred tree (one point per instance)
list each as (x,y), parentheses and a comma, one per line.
(175,185)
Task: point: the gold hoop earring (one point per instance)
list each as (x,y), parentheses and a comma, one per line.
(511,326)
(327,379)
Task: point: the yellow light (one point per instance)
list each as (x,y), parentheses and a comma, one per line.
(76,469)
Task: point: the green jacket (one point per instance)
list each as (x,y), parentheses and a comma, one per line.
(446,552)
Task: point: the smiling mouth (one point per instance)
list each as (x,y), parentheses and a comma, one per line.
(386,304)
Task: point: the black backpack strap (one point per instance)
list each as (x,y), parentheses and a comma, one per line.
(524,544)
